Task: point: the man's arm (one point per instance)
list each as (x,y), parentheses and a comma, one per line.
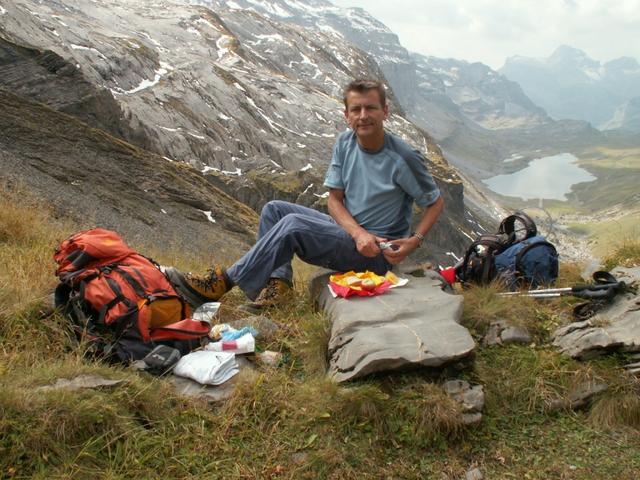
(408,245)
(366,243)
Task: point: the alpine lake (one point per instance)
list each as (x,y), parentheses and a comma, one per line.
(544,178)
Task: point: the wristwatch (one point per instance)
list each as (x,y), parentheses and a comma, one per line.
(419,236)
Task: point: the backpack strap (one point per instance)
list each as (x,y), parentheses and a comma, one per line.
(527,248)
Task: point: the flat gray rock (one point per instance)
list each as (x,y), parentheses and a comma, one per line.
(417,324)
(616,327)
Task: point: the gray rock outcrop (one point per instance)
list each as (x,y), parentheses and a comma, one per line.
(414,325)
(616,327)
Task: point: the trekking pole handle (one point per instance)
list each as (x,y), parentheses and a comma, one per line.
(597,286)
(608,292)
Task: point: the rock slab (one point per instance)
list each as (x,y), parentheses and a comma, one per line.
(413,325)
(616,327)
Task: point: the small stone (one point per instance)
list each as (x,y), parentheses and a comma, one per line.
(515,334)
(493,336)
(471,398)
(474,474)
(455,387)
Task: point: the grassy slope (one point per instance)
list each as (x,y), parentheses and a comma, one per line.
(618,172)
(290,421)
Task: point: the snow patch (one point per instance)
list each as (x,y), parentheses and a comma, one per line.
(223,116)
(163,210)
(308,166)
(208,214)
(2,10)
(91,49)
(237,172)
(513,158)
(324,195)
(144,84)
(271,38)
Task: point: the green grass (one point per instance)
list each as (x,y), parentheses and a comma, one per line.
(292,421)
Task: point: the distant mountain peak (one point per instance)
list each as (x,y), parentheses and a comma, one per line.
(567,55)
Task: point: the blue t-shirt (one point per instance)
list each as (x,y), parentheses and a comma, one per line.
(380,187)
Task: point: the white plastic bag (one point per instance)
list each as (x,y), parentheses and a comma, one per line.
(207,367)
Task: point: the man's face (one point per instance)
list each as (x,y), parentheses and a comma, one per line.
(365,114)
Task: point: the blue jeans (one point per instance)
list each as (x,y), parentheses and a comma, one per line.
(286,229)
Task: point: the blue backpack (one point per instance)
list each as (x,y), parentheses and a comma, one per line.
(531,262)
(517,255)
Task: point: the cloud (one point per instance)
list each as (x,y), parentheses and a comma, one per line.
(491,30)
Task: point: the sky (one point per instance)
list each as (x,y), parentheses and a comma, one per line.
(489,31)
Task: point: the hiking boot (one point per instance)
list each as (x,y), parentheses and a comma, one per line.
(197,290)
(273,294)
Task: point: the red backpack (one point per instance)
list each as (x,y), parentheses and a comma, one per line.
(120,300)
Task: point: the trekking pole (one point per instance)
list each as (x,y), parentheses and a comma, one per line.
(597,290)
(589,293)
(574,289)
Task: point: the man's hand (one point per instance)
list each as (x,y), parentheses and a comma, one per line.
(367,243)
(400,249)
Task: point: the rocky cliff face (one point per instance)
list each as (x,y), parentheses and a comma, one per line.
(95,178)
(233,94)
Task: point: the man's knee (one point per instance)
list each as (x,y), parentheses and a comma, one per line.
(299,223)
(272,208)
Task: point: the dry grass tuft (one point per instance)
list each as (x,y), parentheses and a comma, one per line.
(483,306)
(627,255)
(619,405)
(28,236)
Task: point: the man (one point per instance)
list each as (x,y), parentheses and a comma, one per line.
(373,180)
